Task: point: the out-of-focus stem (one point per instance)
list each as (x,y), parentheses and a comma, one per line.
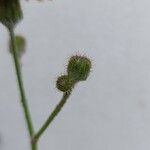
(21,87)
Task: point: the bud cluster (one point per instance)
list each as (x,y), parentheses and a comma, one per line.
(78,69)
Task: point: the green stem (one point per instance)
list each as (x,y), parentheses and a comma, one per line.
(51,117)
(21,87)
(33,145)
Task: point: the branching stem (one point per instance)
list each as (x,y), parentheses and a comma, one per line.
(33,137)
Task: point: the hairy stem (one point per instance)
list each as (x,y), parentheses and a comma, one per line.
(51,117)
(21,87)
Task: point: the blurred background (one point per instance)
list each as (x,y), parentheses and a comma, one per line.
(111,110)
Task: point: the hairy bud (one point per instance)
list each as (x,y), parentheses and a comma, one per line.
(10,12)
(79,68)
(64,83)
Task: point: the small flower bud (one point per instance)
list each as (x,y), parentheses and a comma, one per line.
(64,83)
(20,44)
(10,12)
(79,68)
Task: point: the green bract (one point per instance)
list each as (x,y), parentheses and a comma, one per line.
(10,12)
(79,68)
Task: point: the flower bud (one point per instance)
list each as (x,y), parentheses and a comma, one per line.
(20,44)
(64,83)
(79,68)
(10,12)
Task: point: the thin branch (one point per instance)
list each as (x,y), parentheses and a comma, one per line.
(51,117)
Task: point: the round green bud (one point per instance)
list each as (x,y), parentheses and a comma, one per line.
(64,83)
(10,12)
(20,44)
(79,67)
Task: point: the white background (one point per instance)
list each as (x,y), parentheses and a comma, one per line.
(111,111)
